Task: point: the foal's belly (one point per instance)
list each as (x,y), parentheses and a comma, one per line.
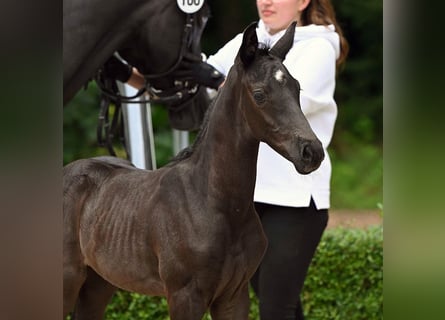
(136,274)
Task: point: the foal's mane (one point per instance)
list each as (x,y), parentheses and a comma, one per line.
(263,50)
(188,151)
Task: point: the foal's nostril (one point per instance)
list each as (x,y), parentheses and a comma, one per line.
(310,157)
(307,152)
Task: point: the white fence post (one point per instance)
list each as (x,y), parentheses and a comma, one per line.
(138,127)
(180,140)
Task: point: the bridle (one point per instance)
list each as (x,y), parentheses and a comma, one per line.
(175,97)
(181,92)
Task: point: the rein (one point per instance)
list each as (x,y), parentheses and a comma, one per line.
(106,131)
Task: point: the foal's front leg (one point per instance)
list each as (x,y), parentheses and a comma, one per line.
(232,308)
(186,304)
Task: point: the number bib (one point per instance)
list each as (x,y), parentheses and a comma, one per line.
(190,6)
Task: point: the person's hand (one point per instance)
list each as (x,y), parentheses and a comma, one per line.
(117,70)
(207,75)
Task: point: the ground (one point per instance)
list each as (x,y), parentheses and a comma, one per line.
(354,218)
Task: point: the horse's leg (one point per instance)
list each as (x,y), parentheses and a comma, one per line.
(93,297)
(232,308)
(186,304)
(242,304)
(74,269)
(74,275)
(73,279)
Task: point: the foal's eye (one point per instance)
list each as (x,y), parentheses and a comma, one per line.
(259,96)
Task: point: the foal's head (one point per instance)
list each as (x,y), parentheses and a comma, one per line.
(271,101)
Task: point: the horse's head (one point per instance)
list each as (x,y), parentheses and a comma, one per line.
(168,42)
(271,101)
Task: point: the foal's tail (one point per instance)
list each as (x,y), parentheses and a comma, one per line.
(81,176)
(77,184)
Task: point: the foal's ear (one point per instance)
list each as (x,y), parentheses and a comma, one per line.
(250,45)
(283,45)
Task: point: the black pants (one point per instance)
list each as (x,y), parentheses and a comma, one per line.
(293,235)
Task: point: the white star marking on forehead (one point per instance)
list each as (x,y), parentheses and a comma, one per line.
(279,76)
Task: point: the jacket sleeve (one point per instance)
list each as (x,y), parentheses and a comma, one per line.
(224,58)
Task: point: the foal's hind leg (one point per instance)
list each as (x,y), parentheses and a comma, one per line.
(74,275)
(93,297)
(73,279)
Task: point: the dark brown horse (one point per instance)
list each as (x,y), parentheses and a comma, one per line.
(187,231)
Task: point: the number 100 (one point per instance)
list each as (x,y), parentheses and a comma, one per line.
(191,2)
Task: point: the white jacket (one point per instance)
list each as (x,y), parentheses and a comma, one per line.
(311,61)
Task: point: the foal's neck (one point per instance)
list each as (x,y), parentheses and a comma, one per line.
(228,152)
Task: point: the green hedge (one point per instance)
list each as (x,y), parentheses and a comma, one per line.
(344,282)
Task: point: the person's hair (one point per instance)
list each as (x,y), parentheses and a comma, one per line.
(322,12)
